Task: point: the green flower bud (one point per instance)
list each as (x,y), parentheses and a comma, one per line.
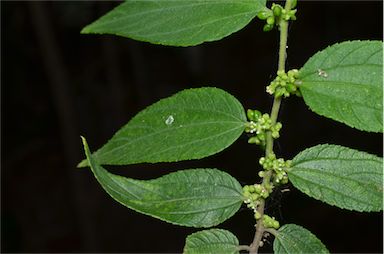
(293,73)
(266,117)
(258,188)
(257,215)
(270,222)
(253,115)
(264,14)
(270,89)
(278,126)
(271,20)
(276,9)
(285,16)
(257,113)
(267,28)
(264,194)
(275,134)
(254,196)
(250,114)
(292,14)
(291,88)
(267,221)
(261,137)
(254,140)
(284,180)
(275,224)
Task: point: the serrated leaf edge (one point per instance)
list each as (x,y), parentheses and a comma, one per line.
(331,203)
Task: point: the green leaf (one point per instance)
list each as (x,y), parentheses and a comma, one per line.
(177,22)
(211,241)
(194,198)
(344,82)
(192,124)
(294,239)
(339,176)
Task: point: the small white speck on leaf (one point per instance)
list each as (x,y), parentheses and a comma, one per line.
(322,73)
(169,120)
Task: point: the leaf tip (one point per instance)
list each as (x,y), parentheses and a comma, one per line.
(86,30)
(84,162)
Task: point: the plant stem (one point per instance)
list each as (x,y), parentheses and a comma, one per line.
(243,247)
(272,231)
(283,25)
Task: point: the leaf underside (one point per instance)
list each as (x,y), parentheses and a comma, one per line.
(294,239)
(339,176)
(211,241)
(194,198)
(192,124)
(344,82)
(177,22)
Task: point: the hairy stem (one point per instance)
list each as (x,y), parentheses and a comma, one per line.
(283,25)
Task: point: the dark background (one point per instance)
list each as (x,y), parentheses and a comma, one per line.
(58,85)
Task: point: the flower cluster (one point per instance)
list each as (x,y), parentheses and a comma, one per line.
(259,125)
(253,194)
(274,15)
(278,166)
(284,84)
(270,222)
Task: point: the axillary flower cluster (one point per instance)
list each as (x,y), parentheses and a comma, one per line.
(259,125)
(284,84)
(278,166)
(274,15)
(253,194)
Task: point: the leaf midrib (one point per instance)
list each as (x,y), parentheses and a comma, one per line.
(170,148)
